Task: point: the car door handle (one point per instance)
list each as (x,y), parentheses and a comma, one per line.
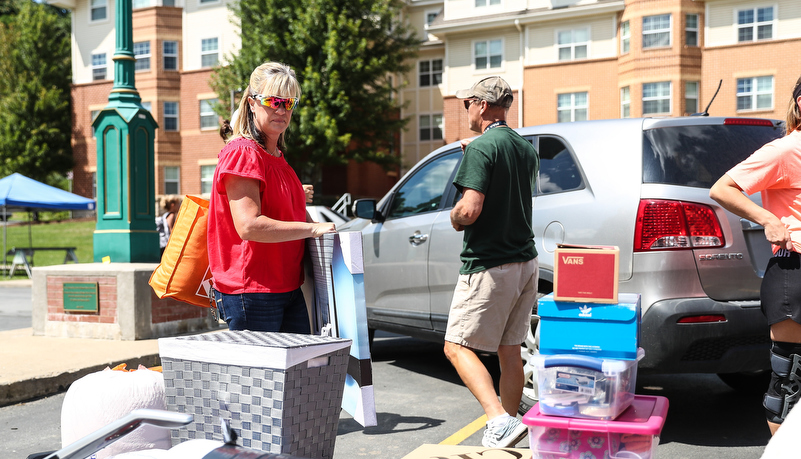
(418,238)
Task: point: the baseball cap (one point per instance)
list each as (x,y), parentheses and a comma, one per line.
(493,89)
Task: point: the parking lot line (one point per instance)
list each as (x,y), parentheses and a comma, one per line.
(465,431)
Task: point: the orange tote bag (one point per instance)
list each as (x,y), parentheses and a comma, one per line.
(184,272)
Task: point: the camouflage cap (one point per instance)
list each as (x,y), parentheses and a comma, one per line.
(493,89)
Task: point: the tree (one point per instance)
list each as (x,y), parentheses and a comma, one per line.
(35,118)
(343,53)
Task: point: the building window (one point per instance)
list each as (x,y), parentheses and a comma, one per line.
(625,102)
(691,30)
(431,72)
(170,53)
(482,3)
(571,107)
(172,180)
(691,97)
(755,24)
(656,98)
(625,38)
(142,54)
(206,2)
(170,116)
(572,44)
(755,93)
(206,177)
(208,119)
(431,127)
(99,67)
(656,31)
(431,15)
(488,54)
(142,3)
(208,52)
(98,10)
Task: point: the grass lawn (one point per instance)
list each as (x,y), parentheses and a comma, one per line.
(68,233)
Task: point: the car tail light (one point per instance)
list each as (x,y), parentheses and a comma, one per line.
(671,225)
(703,319)
(747,122)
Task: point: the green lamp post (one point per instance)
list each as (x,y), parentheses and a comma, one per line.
(126,229)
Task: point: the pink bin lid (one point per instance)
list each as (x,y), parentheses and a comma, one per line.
(645,416)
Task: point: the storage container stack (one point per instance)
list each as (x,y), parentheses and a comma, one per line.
(587,367)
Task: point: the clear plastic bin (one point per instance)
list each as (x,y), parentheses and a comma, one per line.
(634,435)
(580,386)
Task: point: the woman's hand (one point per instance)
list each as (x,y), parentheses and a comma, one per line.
(318,229)
(309,190)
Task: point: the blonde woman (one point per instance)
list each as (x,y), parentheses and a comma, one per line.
(258,220)
(775,171)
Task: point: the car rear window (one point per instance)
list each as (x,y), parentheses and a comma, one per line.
(698,156)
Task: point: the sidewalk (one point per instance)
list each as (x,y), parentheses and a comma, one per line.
(37,366)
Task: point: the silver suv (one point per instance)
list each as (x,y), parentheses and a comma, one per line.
(640,184)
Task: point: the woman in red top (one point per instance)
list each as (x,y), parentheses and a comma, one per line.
(257,219)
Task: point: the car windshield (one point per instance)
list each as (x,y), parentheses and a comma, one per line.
(698,156)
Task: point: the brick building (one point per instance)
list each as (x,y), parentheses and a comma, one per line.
(566,60)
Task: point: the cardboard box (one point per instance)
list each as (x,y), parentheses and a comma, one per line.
(606,331)
(586,273)
(467,452)
(635,434)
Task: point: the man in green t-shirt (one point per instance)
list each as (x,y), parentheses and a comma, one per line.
(497,285)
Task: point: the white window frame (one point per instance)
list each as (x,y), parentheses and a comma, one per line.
(573,44)
(171,115)
(486,3)
(688,95)
(92,8)
(103,66)
(625,102)
(755,93)
(165,55)
(207,114)
(692,30)
(204,53)
(573,106)
(668,31)
(142,57)
(669,98)
(206,182)
(625,37)
(430,127)
(169,180)
(754,26)
(488,43)
(430,73)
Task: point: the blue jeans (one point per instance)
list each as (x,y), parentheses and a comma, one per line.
(264,312)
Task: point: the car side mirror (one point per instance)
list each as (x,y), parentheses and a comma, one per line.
(364,208)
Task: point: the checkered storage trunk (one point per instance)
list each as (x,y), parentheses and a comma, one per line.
(281,392)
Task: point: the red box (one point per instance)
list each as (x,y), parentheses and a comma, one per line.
(587,273)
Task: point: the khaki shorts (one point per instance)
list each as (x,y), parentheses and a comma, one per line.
(493,307)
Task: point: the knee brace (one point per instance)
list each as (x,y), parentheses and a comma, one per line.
(785,383)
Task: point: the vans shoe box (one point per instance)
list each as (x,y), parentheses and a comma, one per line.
(606,331)
(586,273)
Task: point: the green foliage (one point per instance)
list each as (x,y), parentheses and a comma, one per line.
(35,118)
(343,52)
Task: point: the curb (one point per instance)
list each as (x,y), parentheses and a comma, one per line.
(35,388)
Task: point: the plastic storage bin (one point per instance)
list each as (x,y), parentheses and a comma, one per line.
(634,435)
(580,386)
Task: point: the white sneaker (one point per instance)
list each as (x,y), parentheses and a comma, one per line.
(505,435)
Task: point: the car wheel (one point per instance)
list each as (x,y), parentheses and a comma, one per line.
(753,382)
(530,348)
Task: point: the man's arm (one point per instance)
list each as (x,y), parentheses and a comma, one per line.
(467,210)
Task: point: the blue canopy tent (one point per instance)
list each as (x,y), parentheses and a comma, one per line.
(22,194)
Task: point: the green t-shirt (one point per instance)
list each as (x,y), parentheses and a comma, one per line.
(503,166)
